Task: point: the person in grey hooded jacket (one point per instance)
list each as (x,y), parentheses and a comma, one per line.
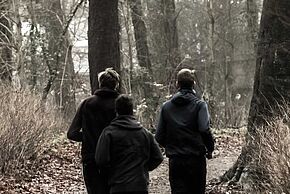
(184,131)
(126,151)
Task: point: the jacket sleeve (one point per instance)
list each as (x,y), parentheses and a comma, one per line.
(160,135)
(204,127)
(74,132)
(155,157)
(102,155)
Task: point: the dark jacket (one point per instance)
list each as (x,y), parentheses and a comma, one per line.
(183,127)
(93,115)
(127,151)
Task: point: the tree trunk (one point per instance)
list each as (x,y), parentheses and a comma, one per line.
(103,35)
(272,77)
(5,43)
(33,36)
(210,69)
(156,40)
(64,83)
(18,43)
(129,37)
(252,19)
(66,86)
(229,59)
(140,32)
(60,59)
(171,41)
(143,55)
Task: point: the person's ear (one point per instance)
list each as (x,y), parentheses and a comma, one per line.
(117,86)
(176,84)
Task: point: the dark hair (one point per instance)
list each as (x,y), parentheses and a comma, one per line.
(124,105)
(109,78)
(185,78)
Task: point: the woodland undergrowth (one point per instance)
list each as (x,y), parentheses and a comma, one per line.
(27,127)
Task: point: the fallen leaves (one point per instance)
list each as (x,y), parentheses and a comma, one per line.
(58,170)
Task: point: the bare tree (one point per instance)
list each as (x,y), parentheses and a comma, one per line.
(143,56)
(127,48)
(171,40)
(5,42)
(59,58)
(252,19)
(33,36)
(140,32)
(272,77)
(103,36)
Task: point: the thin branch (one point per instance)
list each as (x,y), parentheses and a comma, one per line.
(53,74)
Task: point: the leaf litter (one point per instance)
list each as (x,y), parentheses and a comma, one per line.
(59,170)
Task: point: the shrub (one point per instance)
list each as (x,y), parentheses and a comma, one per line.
(27,126)
(272,158)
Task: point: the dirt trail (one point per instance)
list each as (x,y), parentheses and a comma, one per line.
(215,168)
(59,170)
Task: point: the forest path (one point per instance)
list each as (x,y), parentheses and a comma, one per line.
(228,148)
(59,169)
(159,182)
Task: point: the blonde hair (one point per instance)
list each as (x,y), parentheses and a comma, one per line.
(109,78)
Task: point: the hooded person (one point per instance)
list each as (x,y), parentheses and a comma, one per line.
(127,151)
(93,115)
(184,131)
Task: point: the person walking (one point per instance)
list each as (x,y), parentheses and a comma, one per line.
(93,115)
(127,151)
(184,131)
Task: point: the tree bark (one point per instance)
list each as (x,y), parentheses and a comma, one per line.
(156,39)
(5,43)
(229,58)
(252,19)
(60,61)
(33,35)
(143,55)
(210,69)
(18,43)
(103,35)
(66,86)
(171,41)
(140,32)
(272,77)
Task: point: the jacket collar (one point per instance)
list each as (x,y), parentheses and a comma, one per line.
(187,90)
(128,122)
(106,92)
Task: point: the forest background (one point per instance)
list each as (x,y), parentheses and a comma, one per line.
(51,52)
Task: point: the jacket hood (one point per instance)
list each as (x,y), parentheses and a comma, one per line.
(105,92)
(127,122)
(183,97)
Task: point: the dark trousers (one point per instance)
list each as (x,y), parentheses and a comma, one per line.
(187,175)
(95,182)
